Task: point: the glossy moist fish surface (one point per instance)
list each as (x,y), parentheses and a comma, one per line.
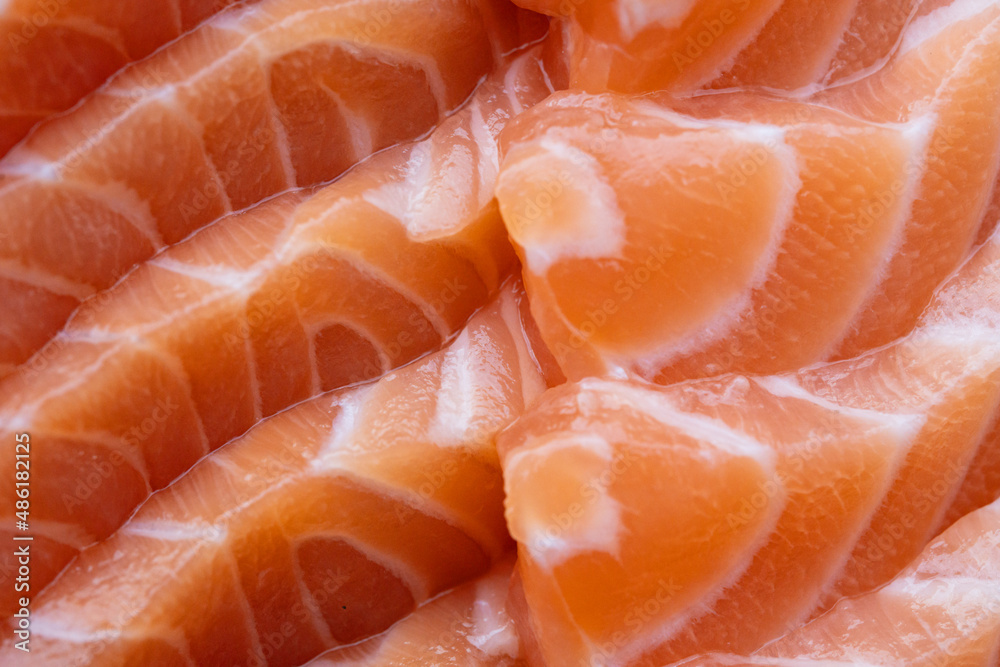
(265,97)
(320,527)
(308,292)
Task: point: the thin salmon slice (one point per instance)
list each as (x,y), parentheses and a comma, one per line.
(320,527)
(261,98)
(469,626)
(638,46)
(755,234)
(311,291)
(673,246)
(54,52)
(719,514)
(943,609)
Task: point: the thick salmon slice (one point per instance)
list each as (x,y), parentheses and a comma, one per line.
(674,246)
(798,45)
(681,238)
(948,65)
(659,524)
(261,98)
(858,465)
(308,292)
(637,46)
(643,45)
(56,51)
(943,609)
(469,626)
(800,48)
(320,527)
(947,370)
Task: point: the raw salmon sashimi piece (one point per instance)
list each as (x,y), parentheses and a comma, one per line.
(469,626)
(694,259)
(943,609)
(673,246)
(718,514)
(948,370)
(653,518)
(947,65)
(800,48)
(636,46)
(261,98)
(56,51)
(305,293)
(643,45)
(320,527)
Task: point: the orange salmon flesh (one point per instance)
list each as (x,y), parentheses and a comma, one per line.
(500,333)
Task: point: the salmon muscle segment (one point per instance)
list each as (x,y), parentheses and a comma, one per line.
(948,370)
(801,49)
(652,522)
(308,292)
(947,68)
(262,98)
(469,626)
(321,526)
(643,45)
(943,609)
(57,51)
(637,46)
(857,507)
(743,235)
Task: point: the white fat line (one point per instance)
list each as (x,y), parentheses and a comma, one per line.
(712,432)
(730,314)
(929,26)
(175,531)
(903,426)
(217,275)
(46,280)
(918,132)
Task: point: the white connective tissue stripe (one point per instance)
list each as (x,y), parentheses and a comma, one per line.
(597,228)
(554,540)
(930,25)
(634,16)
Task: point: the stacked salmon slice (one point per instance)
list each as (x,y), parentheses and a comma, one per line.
(308,292)
(619,333)
(57,51)
(260,99)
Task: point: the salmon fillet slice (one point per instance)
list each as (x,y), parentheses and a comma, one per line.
(643,45)
(262,98)
(673,246)
(948,65)
(56,51)
(308,292)
(639,46)
(320,527)
(676,238)
(943,609)
(719,514)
